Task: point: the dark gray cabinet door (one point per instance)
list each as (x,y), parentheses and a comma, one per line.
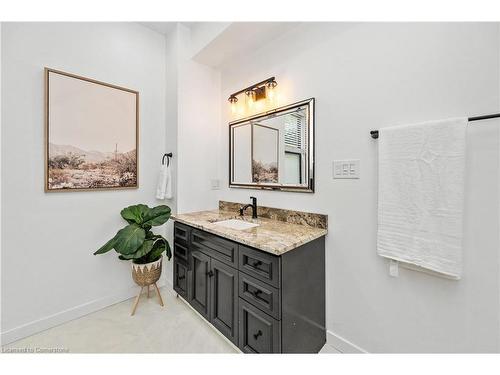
(199,293)
(180,277)
(224,299)
(259,333)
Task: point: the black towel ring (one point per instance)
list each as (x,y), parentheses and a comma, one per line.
(168,156)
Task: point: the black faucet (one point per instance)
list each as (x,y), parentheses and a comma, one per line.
(253,205)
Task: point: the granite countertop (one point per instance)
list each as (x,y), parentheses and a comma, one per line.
(273,236)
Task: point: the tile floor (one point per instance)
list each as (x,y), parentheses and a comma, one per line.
(113,330)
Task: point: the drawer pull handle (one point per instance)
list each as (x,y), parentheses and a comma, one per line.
(256,292)
(181,234)
(256,335)
(256,263)
(182,277)
(210,273)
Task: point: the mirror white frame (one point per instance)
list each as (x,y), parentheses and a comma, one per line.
(308,165)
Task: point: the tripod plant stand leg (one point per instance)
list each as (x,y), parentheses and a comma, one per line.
(136,302)
(159,295)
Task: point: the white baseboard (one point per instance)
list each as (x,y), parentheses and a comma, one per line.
(50,321)
(341,344)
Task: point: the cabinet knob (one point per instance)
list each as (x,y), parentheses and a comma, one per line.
(182,277)
(256,335)
(256,263)
(210,273)
(256,292)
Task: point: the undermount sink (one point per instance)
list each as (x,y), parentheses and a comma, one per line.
(236,224)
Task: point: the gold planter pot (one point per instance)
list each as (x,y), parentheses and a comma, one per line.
(147,274)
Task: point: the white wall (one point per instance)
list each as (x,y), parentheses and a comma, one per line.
(365,76)
(0,181)
(48,239)
(498,213)
(171,119)
(198,141)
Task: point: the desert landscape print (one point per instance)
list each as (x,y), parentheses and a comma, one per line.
(263,173)
(265,154)
(91,134)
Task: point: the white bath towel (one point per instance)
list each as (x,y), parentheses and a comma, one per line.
(421,194)
(164,188)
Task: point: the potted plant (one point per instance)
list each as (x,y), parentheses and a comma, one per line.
(136,242)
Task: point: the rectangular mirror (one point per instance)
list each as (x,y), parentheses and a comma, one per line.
(274,150)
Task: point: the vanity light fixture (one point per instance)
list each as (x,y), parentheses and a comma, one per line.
(258,91)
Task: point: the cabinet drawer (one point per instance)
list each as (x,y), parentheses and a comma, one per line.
(259,333)
(181,233)
(181,251)
(180,278)
(216,247)
(261,265)
(260,294)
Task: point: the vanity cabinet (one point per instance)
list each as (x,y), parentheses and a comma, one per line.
(261,302)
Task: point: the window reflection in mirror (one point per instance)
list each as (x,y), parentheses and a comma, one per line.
(272,150)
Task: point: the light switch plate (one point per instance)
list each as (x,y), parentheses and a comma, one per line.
(215,184)
(346,168)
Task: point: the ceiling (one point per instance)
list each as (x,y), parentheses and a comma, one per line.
(240,38)
(166,27)
(160,27)
(217,43)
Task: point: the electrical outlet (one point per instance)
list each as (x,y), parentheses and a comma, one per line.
(346,168)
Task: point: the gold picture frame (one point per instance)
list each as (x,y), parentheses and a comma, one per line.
(90,164)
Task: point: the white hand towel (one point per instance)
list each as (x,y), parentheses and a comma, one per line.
(421,194)
(168,188)
(164,188)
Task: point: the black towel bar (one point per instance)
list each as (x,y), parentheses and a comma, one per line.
(374,133)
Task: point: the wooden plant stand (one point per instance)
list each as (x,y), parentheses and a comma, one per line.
(136,302)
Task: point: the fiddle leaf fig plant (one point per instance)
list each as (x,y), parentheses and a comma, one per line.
(136,241)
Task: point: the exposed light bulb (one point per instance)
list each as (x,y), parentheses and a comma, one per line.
(250,98)
(270,93)
(233,100)
(271,97)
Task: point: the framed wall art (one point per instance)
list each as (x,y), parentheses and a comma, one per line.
(91,134)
